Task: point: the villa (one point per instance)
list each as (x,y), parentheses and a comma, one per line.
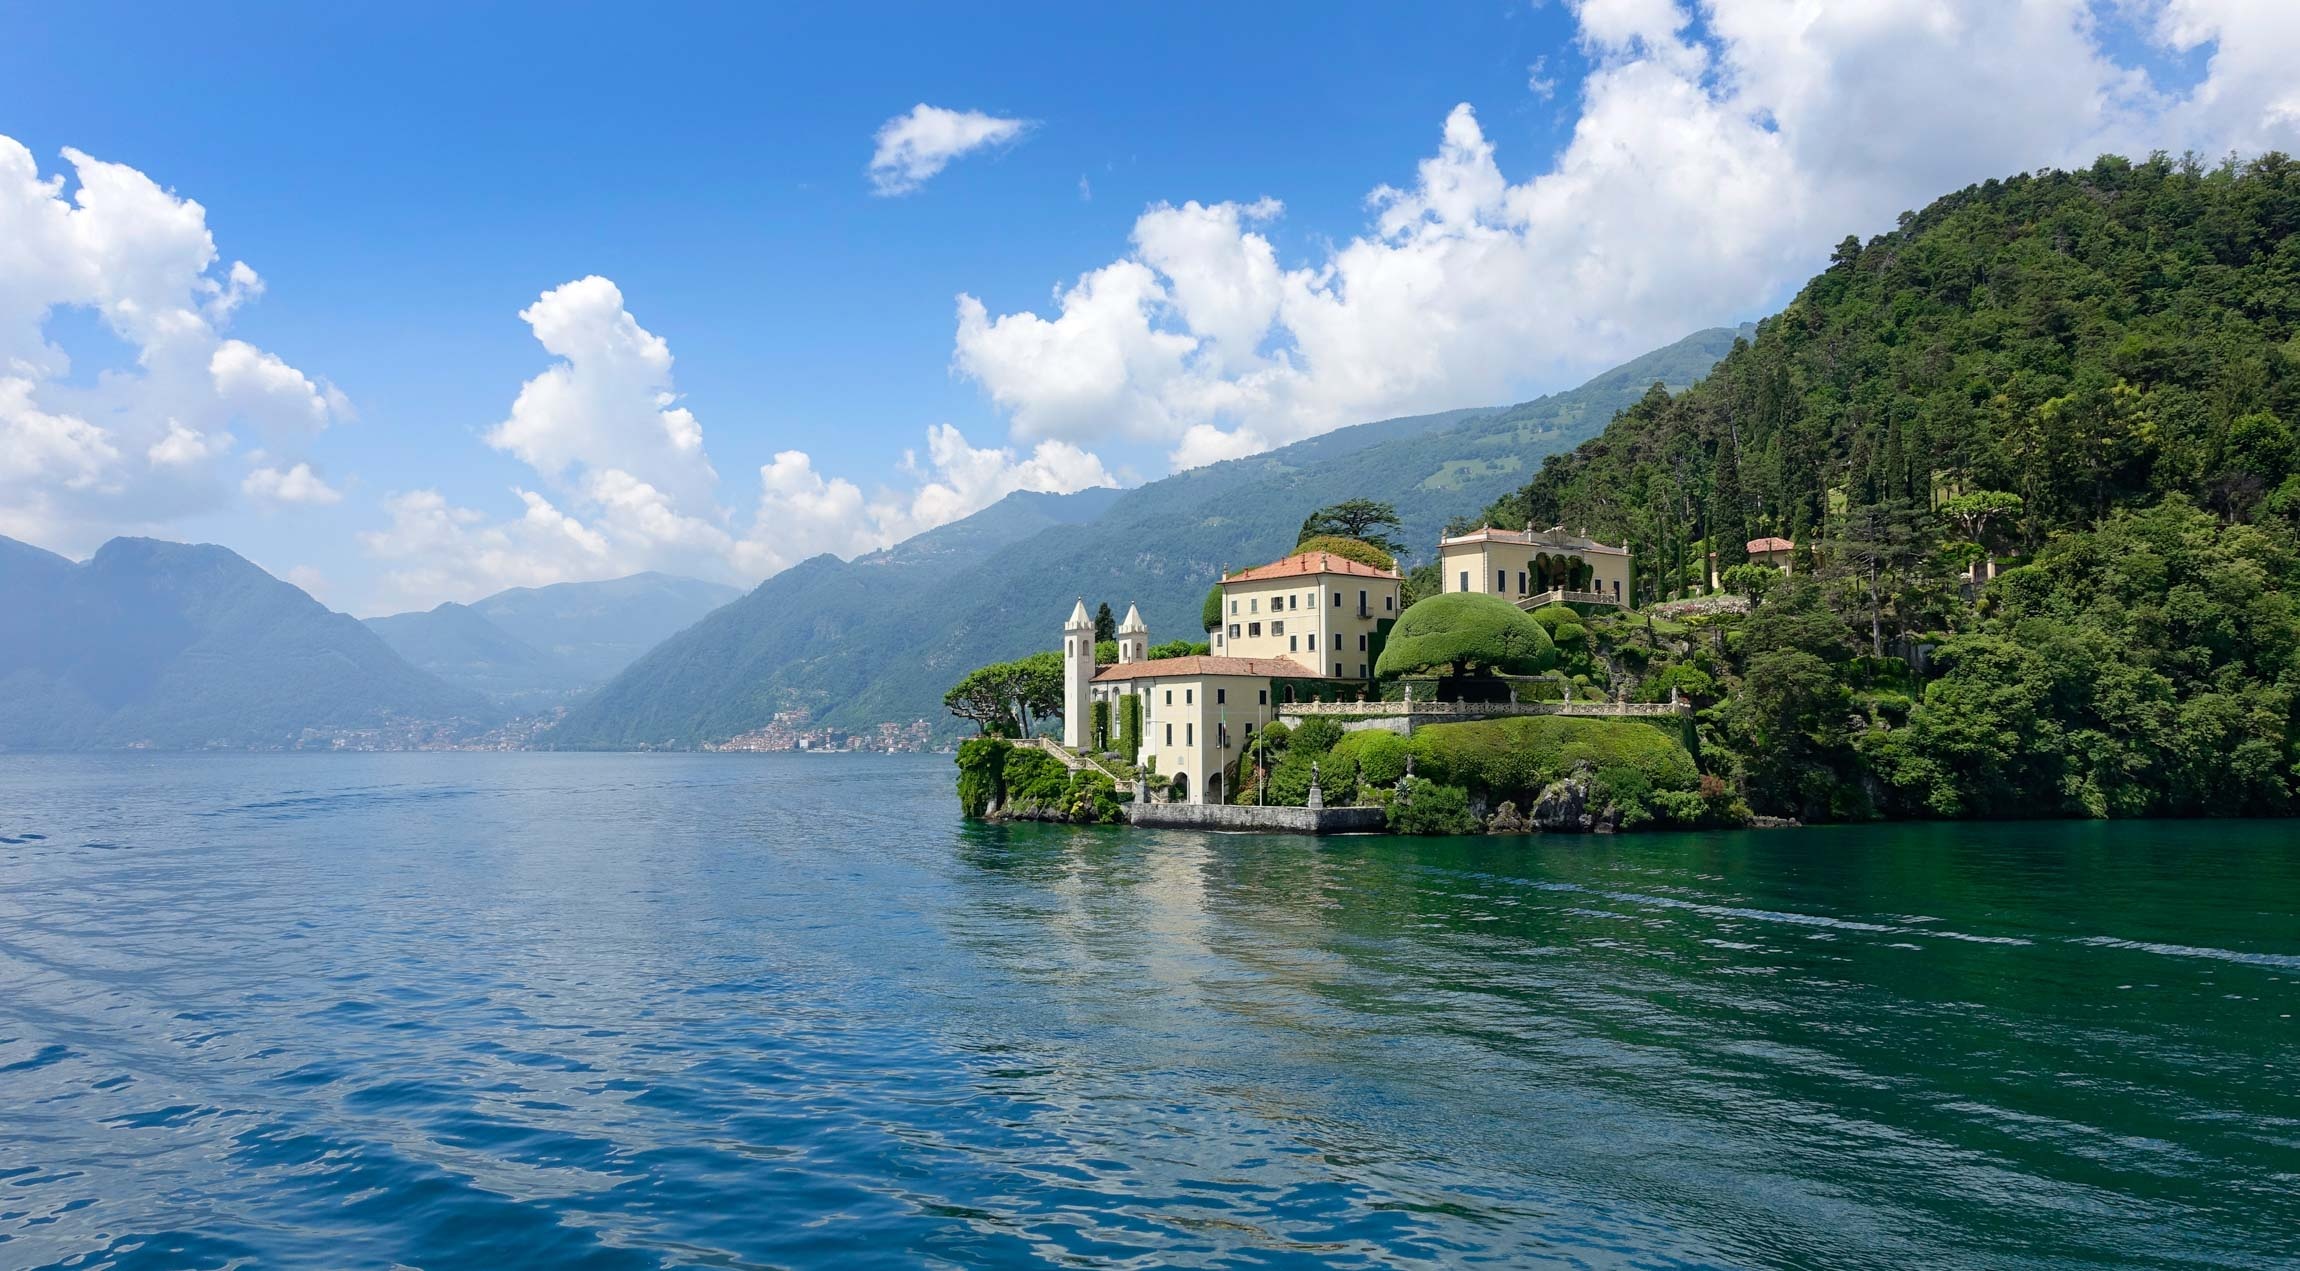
(1284,626)
(1535,568)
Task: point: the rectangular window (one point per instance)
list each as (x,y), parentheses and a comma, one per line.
(1293,643)
(1189,734)
(1169,697)
(1277,628)
(1253,628)
(1293,601)
(1362,600)
(1265,696)
(1221,695)
(1337,670)
(1521,582)
(1361,670)
(1233,630)
(1169,734)
(1313,642)
(1361,642)
(1465,580)
(1253,604)
(1387,601)
(1337,600)
(1501,580)
(1189,697)
(1233,606)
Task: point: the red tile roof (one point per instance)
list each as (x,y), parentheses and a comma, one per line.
(1202,664)
(1301,564)
(1770,544)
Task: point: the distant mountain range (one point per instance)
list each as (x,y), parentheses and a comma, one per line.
(880,637)
(533,648)
(180,646)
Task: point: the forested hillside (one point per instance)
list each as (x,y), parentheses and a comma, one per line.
(2089,381)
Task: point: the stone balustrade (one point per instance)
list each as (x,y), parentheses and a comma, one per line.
(1479,710)
(1561,596)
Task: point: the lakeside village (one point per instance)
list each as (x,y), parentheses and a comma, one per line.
(1324,699)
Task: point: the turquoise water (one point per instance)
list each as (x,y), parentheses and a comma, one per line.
(641,1011)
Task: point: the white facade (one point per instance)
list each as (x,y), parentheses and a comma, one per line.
(1077,677)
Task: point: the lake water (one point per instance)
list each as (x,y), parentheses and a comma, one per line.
(640,1011)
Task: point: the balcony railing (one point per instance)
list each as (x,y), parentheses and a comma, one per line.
(1479,710)
(1561,596)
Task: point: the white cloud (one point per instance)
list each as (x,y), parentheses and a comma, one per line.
(133,448)
(607,403)
(913,147)
(296,485)
(1717,157)
(632,487)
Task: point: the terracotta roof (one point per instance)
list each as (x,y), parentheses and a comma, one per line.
(1557,538)
(1301,564)
(1202,664)
(1770,544)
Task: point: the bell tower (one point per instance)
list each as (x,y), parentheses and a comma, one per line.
(1133,637)
(1077,674)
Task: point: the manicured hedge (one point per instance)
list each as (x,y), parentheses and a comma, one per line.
(1466,627)
(1515,758)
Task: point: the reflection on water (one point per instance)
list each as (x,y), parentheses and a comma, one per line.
(744,1011)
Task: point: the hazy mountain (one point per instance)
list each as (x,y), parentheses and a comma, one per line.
(175,645)
(536,647)
(880,637)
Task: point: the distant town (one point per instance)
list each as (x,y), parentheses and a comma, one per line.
(789,731)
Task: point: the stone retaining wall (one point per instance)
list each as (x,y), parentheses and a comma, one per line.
(1238,816)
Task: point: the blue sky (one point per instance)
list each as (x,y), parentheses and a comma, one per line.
(406,180)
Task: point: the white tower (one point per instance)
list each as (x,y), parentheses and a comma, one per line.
(1077,673)
(1133,637)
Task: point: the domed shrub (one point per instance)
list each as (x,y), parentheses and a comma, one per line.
(1551,617)
(1358,550)
(1460,630)
(1380,756)
(1569,637)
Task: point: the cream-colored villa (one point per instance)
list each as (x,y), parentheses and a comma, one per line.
(1309,627)
(1305,627)
(1535,566)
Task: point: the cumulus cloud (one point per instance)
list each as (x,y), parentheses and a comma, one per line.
(914,146)
(139,447)
(627,484)
(1718,155)
(296,485)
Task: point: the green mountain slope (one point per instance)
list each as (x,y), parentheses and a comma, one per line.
(535,647)
(880,638)
(2089,380)
(176,645)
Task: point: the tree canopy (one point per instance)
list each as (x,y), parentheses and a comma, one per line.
(1356,549)
(1460,631)
(1004,698)
(1366,520)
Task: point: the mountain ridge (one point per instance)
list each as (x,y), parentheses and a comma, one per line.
(535,648)
(151,643)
